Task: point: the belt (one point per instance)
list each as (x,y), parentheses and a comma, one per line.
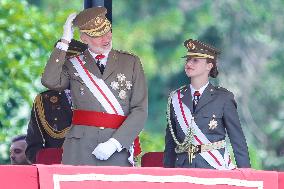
(196,149)
(97,119)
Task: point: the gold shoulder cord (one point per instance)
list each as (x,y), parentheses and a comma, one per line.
(181,147)
(43,140)
(50,131)
(169,118)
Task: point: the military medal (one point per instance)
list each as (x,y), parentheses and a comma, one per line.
(82,91)
(213,123)
(122,94)
(128,85)
(122,85)
(114,85)
(53,99)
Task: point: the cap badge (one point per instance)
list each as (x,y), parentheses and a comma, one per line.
(190,45)
(122,85)
(98,20)
(213,123)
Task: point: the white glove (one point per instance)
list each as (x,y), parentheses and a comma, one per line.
(104,150)
(68,28)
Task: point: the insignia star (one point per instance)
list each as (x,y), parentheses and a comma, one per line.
(121,77)
(128,85)
(122,85)
(213,124)
(114,85)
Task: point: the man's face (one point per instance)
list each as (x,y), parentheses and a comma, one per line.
(197,67)
(17,153)
(98,45)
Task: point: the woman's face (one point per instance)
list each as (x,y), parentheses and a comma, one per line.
(196,67)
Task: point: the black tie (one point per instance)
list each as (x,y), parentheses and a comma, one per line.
(100,66)
(196,97)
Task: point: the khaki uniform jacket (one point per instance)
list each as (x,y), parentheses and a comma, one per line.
(60,74)
(214,101)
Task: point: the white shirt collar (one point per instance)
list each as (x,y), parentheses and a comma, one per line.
(104,60)
(201,90)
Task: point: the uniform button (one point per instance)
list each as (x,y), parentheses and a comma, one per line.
(55,119)
(101,128)
(57,60)
(58,108)
(177,159)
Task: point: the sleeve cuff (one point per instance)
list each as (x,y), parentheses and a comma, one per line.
(116,143)
(62,46)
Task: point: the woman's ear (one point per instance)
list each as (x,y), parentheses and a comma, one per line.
(210,65)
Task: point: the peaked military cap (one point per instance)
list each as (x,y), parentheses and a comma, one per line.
(198,49)
(93,21)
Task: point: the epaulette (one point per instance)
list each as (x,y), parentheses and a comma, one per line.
(174,91)
(180,88)
(75,48)
(47,92)
(126,52)
(218,88)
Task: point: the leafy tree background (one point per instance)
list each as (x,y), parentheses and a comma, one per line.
(249,33)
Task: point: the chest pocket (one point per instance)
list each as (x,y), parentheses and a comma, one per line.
(210,115)
(212,122)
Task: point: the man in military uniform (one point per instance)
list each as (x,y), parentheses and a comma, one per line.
(17,150)
(50,120)
(200,115)
(108,90)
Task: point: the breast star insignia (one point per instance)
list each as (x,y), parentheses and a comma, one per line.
(122,85)
(213,123)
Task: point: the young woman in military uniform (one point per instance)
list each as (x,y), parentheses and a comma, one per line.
(200,116)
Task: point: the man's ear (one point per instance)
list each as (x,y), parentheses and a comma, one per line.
(83,37)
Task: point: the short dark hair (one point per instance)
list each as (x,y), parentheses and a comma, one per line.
(19,137)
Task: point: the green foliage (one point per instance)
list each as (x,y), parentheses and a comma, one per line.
(24,49)
(152,142)
(27,36)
